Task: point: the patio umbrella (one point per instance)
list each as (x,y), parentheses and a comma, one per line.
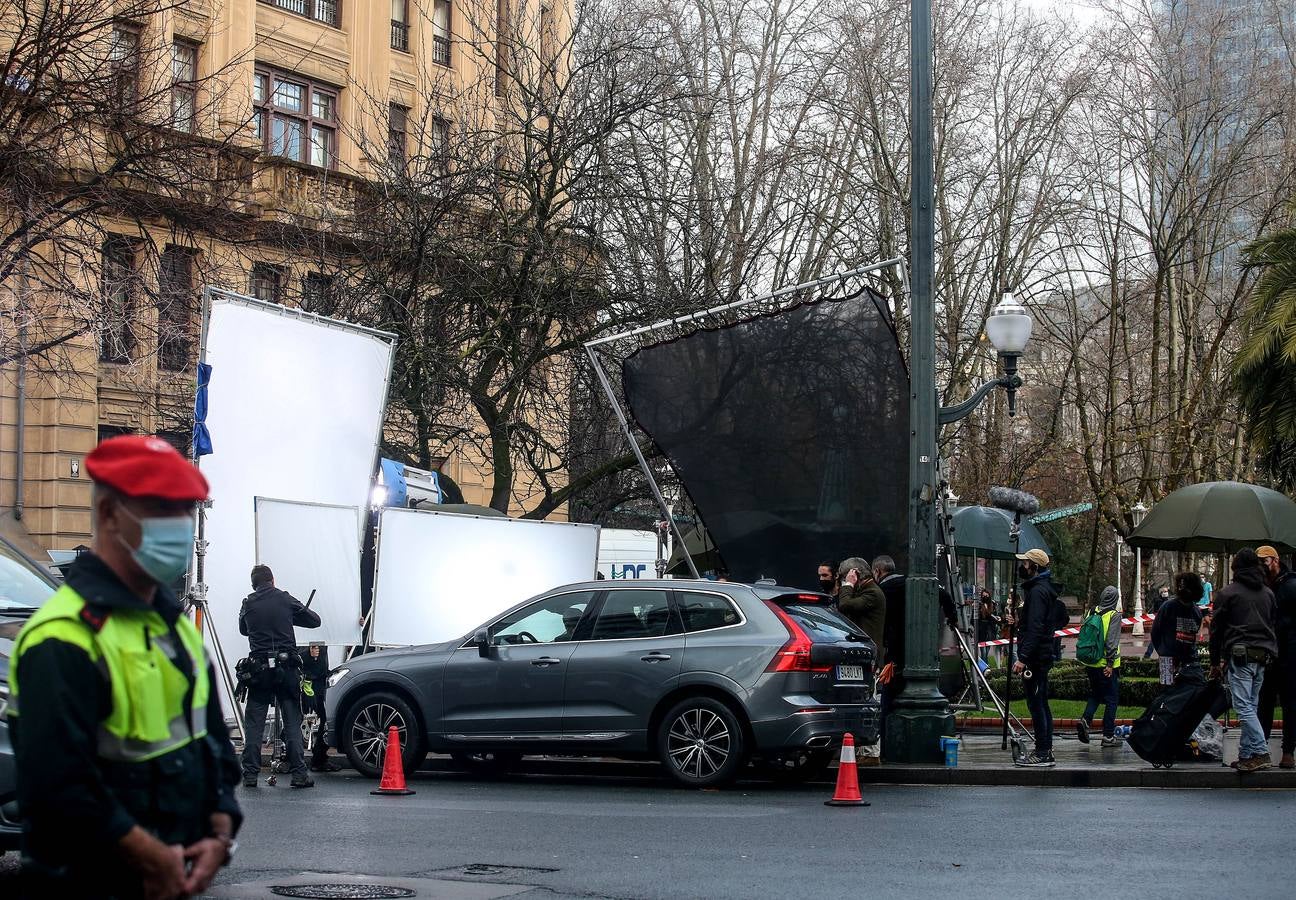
(984,532)
(1218,517)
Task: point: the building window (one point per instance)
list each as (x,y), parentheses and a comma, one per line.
(117,336)
(400,29)
(397,133)
(184,85)
(325,11)
(296,118)
(441,32)
(318,295)
(124,58)
(175,308)
(267,282)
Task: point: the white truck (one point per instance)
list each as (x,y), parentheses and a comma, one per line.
(624,553)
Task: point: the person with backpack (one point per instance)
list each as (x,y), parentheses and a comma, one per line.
(1042,613)
(1098,649)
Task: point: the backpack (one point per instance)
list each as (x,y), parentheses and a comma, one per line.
(1090,642)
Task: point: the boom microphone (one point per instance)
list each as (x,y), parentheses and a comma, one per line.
(1014,501)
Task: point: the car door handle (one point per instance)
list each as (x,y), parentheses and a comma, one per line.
(546,661)
(655,656)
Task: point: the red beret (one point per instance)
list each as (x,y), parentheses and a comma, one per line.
(146,466)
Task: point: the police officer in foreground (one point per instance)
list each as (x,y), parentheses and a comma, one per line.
(267,619)
(125,769)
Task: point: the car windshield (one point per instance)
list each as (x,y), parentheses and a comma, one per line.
(21,586)
(821,623)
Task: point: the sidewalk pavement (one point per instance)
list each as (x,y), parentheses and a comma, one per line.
(983,762)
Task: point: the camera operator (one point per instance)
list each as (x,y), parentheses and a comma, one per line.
(274,668)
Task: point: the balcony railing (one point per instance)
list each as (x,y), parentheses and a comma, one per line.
(400,36)
(325,11)
(440,50)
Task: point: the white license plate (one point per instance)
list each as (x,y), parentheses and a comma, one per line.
(850,673)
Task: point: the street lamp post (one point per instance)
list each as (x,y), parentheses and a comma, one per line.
(1138,512)
(922,714)
(1120,546)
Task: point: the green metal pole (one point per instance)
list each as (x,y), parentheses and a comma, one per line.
(921,713)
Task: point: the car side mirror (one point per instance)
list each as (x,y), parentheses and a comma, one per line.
(481,638)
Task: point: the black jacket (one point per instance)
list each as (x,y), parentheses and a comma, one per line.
(1284,589)
(1174,631)
(1244,614)
(267,619)
(316,669)
(1034,627)
(77,806)
(893,629)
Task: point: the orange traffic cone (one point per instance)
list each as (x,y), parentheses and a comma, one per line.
(848,792)
(393,777)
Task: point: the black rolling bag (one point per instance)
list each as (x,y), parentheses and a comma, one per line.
(1161,732)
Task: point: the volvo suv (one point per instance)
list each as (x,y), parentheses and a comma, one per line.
(704,676)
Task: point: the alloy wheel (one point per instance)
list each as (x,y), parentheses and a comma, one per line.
(369,732)
(699,743)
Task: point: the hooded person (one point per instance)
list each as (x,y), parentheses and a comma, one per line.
(1104,675)
(1243,638)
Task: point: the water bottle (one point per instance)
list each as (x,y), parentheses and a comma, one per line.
(1123,731)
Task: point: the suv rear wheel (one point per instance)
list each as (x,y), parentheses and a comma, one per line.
(365,728)
(700,741)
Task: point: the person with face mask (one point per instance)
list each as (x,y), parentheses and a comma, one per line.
(828,583)
(267,619)
(125,768)
(1041,614)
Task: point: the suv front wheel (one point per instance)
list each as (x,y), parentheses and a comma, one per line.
(365,729)
(700,741)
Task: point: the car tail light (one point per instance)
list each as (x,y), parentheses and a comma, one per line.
(793,656)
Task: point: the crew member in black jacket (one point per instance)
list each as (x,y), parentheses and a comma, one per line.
(267,619)
(315,671)
(1039,618)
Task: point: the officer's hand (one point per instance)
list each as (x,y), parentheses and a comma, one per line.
(164,872)
(207,856)
(1018,667)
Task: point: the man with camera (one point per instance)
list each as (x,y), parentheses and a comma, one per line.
(273,670)
(1242,635)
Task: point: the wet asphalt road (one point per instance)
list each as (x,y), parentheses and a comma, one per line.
(623,832)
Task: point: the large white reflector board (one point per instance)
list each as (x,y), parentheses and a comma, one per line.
(295,408)
(440,575)
(314,547)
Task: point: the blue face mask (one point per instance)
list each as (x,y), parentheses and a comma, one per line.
(166,545)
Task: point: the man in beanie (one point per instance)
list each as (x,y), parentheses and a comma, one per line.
(125,769)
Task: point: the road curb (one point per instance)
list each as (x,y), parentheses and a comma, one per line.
(1181,776)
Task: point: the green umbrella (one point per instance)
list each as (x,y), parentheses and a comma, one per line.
(1218,517)
(984,531)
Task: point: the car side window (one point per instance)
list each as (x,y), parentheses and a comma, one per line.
(548,621)
(702,612)
(634,613)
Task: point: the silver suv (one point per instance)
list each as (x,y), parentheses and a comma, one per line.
(704,676)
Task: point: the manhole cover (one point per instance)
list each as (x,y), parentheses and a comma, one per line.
(347,891)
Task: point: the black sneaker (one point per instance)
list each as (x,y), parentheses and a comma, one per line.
(1035,760)
(302,781)
(1082,730)
(249,781)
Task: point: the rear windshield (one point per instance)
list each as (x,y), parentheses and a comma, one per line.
(822,623)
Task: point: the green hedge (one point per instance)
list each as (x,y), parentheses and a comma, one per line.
(1140,681)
